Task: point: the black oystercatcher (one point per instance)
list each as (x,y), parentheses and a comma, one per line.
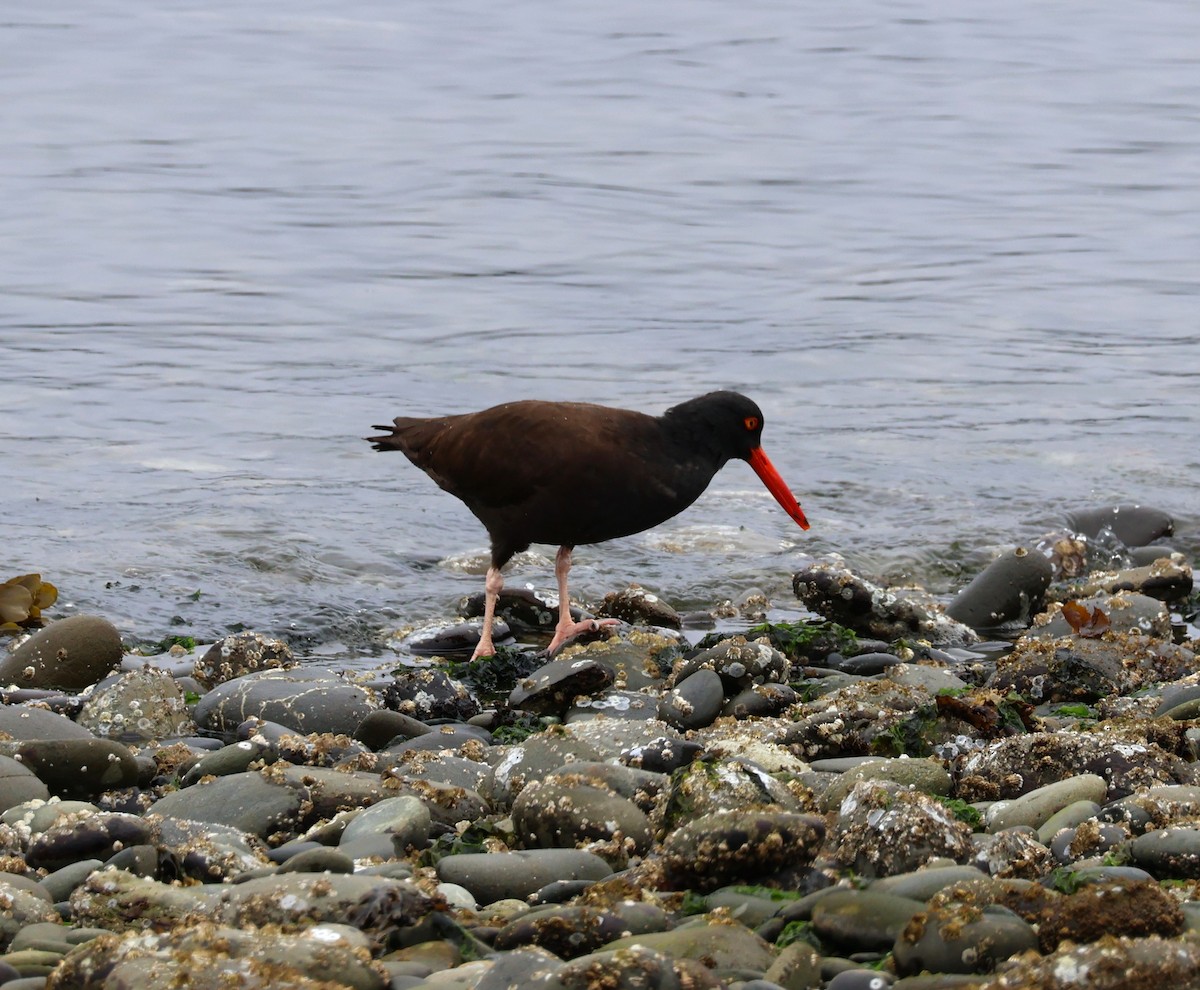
(568,473)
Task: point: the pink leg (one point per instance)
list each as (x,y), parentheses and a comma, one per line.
(567,627)
(492,586)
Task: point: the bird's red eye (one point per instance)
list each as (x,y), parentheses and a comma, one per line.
(751,423)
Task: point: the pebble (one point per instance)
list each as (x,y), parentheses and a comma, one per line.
(731,815)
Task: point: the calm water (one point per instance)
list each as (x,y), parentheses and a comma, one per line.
(955,257)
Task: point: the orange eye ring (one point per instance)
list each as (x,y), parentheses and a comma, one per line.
(751,423)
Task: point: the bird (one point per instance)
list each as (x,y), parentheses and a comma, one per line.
(572,473)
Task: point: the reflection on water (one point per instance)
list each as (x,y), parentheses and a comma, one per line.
(951,255)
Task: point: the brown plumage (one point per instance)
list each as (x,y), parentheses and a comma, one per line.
(569,473)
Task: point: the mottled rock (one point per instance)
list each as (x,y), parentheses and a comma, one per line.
(637,606)
(18,908)
(306,699)
(831,590)
(723,846)
(240,654)
(142,704)
(961,937)
(209,955)
(429,693)
(568,811)
(883,828)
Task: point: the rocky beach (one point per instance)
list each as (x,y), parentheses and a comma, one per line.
(996,789)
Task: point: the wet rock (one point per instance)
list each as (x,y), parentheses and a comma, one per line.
(1127,964)
(707,786)
(77,768)
(535,758)
(923,883)
(1034,807)
(307,699)
(382,726)
(253,802)
(19,784)
(831,590)
(205,851)
(143,704)
(740,664)
(1077,668)
(1008,768)
(240,654)
(387,828)
(455,639)
(663,754)
(693,702)
(724,947)
(492,877)
(630,705)
(1009,590)
(1134,525)
(429,694)
(568,811)
(1134,908)
(569,932)
(961,937)
(1168,852)
(71,653)
(883,828)
(27,724)
(1166,578)
(211,955)
(637,606)
(94,836)
(862,921)
(760,701)
(551,689)
(1127,612)
(723,846)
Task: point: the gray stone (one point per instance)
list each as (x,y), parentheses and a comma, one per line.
(250,802)
(563,811)
(387,828)
(863,920)
(306,699)
(1007,591)
(78,768)
(927,776)
(142,704)
(71,653)
(495,876)
(693,702)
(19,784)
(1034,807)
(962,938)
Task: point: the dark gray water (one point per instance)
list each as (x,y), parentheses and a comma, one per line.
(953,252)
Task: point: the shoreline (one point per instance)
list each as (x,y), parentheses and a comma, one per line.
(886,793)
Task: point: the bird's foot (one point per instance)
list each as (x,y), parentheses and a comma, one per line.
(564,632)
(483,648)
